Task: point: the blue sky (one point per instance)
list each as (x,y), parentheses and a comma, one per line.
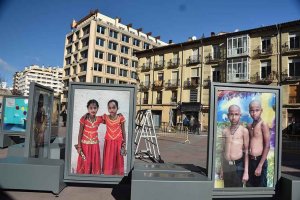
(33,31)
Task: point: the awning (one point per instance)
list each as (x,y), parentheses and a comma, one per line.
(190,107)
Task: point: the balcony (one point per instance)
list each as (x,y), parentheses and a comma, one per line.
(294,100)
(193,60)
(158,85)
(265,52)
(287,49)
(145,100)
(145,86)
(286,78)
(273,76)
(190,84)
(216,58)
(146,67)
(158,100)
(238,77)
(206,82)
(172,84)
(159,65)
(173,63)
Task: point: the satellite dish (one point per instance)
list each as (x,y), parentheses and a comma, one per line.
(194,38)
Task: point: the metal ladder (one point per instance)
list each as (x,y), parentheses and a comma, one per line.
(145,131)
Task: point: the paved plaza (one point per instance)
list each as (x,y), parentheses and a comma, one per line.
(173,150)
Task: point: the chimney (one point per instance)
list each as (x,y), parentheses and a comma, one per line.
(73,24)
(149,33)
(170,41)
(118,20)
(129,25)
(139,29)
(212,34)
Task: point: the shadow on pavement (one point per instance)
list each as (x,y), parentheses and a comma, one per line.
(4,195)
(122,191)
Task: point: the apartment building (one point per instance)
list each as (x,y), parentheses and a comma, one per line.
(101,49)
(177,77)
(47,76)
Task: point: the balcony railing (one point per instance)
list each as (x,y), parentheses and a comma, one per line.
(286,48)
(159,100)
(213,58)
(159,65)
(259,52)
(144,86)
(267,80)
(158,85)
(238,51)
(146,67)
(173,63)
(238,77)
(172,84)
(294,100)
(193,60)
(193,83)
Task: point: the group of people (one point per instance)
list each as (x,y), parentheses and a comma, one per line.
(192,124)
(89,158)
(245,149)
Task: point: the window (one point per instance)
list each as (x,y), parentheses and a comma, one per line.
(294,40)
(98,67)
(136,42)
(68,60)
(265,44)
(133,75)
(101,29)
(108,80)
(237,46)
(82,78)
(265,69)
(160,76)
(112,45)
(75,57)
(146,45)
(112,57)
(76,46)
(159,98)
(111,70)
(174,96)
(146,97)
(75,70)
(98,54)
(67,72)
(83,67)
(294,67)
(134,52)
(122,82)
(216,76)
(193,95)
(216,51)
(97,79)
(124,61)
(86,30)
(85,42)
(84,54)
(123,72)
(69,39)
(124,49)
(113,34)
(125,38)
(69,49)
(134,64)
(100,42)
(237,70)
(147,79)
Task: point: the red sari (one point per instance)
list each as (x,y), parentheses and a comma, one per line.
(113,161)
(90,147)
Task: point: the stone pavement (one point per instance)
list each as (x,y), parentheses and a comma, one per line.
(173,150)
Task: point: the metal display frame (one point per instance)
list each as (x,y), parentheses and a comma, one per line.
(236,192)
(33,89)
(91,178)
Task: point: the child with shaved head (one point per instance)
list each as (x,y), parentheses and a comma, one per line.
(259,146)
(234,168)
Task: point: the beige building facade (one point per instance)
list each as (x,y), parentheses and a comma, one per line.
(175,79)
(48,76)
(101,49)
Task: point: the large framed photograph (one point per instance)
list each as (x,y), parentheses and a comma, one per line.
(39,124)
(14,114)
(100,126)
(244,153)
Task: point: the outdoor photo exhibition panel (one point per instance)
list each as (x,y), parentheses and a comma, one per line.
(39,128)
(14,114)
(245,140)
(100,127)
